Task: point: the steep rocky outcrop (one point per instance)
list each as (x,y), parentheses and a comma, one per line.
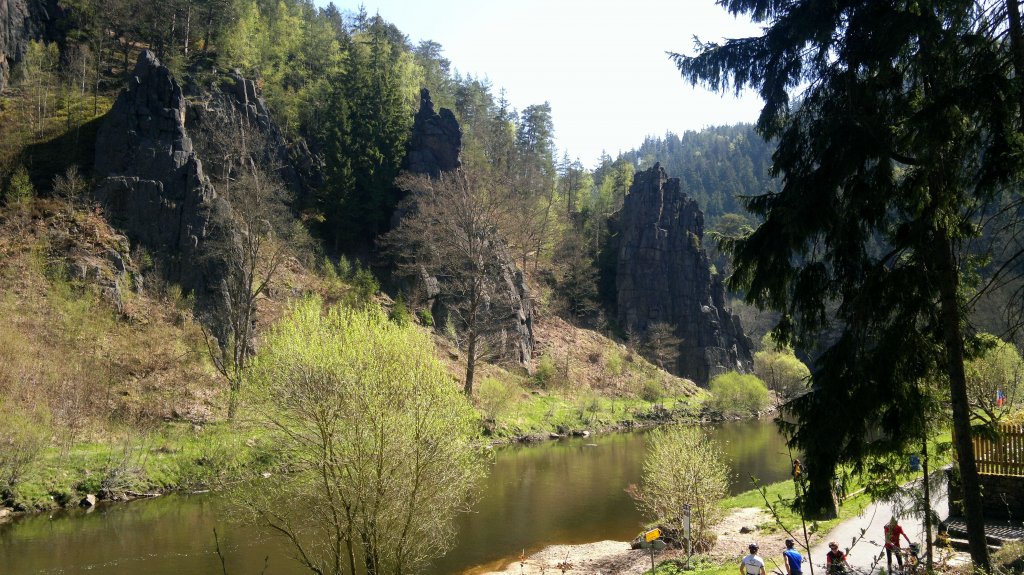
(436,140)
(153,185)
(228,100)
(435,146)
(20,22)
(663,275)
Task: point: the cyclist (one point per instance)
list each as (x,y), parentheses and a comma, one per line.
(752,564)
(892,543)
(793,559)
(835,560)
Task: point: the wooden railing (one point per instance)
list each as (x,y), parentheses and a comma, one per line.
(1004,455)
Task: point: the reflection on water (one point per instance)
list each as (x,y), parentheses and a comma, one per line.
(567,491)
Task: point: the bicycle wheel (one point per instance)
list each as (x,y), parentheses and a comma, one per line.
(911,564)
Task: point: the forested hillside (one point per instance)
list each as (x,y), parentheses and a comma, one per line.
(717,166)
(177,177)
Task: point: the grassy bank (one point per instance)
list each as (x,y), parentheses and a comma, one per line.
(107,388)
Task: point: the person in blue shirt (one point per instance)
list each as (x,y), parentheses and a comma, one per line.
(793,559)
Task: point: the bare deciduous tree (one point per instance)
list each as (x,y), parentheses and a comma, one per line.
(661,344)
(450,233)
(250,247)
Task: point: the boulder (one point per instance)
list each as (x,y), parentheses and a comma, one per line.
(88,501)
(663,275)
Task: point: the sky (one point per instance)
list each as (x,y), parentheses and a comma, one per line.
(601,64)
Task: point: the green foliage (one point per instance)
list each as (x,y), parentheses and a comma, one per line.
(496,398)
(996,368)
(737,394)
(682,468)
(546,372)
(653,390)
(348,395)
(615,362)
(362,289)
(780,369)
(901,146)
(1010,557)
(364,153)
(399,312)
(22,439)
(426,318)
(19,191)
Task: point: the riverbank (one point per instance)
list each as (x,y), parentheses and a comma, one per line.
(179,457)
(747,520)
(565,491)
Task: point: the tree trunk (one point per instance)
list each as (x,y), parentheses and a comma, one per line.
(953,341)
(819,501)
(927,502)
(470,363)
(1017,47)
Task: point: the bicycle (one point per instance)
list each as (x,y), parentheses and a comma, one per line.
(911,559)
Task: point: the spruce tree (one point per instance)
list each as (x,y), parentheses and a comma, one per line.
(902,135)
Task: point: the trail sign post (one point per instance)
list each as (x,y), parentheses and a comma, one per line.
(686,531)
(653,542)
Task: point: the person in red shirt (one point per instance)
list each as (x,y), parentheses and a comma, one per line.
(835,560)
(892,543)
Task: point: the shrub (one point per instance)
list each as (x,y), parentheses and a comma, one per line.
(19,190)
(426,318)
(1010,557)
(780,369)
(400,313)
(546,371)
(615,364)
(345,394)
(653,390)
(495,398)
(736,394)
(683,467)
(22,439)
(363,287)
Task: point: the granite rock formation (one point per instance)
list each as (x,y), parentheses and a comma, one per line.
(436,141)
(435,146)
(663,275)
(20,22)
(153,185)
(230,100)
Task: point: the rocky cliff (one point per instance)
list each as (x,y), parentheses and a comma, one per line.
(216,109)
(663,275)
(435,146)
(436,141)
(20,22)
(152,181)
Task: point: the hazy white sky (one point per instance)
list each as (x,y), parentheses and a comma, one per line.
(600,63)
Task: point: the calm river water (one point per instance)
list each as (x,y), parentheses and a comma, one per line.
(567,491)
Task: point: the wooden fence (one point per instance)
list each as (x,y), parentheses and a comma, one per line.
(1004,455)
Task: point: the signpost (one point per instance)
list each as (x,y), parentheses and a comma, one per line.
(686,532)
(652,542)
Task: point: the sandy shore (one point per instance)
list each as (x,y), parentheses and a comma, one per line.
(616,558)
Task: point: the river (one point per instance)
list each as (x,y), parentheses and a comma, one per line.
(565,491)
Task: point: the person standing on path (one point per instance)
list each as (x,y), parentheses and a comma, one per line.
(793,559)
(835,560)
(752,564)
(892,543)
